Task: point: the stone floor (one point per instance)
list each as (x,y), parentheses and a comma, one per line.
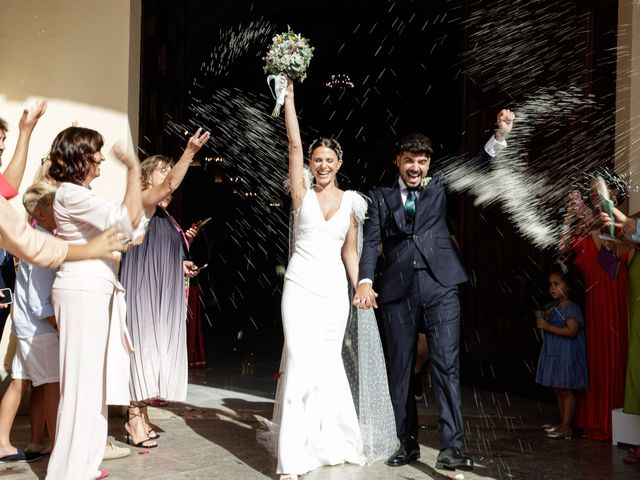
(213,436)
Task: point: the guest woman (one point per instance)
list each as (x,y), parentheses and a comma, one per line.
(83,295)
(153,276)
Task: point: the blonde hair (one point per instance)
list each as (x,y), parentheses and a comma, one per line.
(149,164)
(38,196)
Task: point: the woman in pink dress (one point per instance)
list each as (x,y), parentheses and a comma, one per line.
(88,304)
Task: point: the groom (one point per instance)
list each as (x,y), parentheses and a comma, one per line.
(419,285)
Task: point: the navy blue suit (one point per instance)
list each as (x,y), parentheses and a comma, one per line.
(418,284)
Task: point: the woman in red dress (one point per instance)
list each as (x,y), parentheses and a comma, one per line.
(603,264)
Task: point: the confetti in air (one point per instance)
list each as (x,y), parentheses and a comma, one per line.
(531,199)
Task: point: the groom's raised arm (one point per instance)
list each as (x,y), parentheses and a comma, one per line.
(497,141)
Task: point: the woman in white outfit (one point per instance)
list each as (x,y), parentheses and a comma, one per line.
(318,424)
(88,305)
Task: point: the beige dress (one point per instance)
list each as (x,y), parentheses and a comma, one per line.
(84,293)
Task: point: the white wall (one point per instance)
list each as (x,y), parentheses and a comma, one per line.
(628,97)
(84,58)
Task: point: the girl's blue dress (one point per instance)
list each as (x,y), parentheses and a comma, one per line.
(563,360)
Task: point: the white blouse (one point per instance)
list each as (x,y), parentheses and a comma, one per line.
(80,216)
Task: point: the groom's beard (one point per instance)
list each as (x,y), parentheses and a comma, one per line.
(408,181)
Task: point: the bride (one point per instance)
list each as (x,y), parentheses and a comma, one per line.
(315,415)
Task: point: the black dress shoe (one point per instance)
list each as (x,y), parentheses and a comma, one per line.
(409,450)
(452,459)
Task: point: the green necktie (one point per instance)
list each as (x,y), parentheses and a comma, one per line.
(410,204)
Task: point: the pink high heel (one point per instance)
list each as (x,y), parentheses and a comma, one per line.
(103,474)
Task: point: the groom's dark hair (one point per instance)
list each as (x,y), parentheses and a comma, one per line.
(414,143)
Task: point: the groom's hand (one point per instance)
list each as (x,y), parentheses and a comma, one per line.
(504,124)
(365,297)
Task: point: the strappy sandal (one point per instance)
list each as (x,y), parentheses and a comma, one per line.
(151,433)
(129,435)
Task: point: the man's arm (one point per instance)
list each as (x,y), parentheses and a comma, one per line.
(365,297)
(497,141)
(370,241)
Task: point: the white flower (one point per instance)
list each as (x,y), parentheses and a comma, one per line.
(289,53)
(425,181)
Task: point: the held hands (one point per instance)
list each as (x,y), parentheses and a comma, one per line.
(127,158)
(504,123)
(190,269)
(365,297)
(30,118)
(196,142)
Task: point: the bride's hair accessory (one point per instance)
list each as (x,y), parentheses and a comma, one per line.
(331,143)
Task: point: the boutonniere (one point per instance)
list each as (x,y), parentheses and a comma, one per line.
(425,181)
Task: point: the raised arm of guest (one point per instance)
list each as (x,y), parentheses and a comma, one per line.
(578,222)
(296,155)
(15,169)
(171,175)
(133,193)
(630,225)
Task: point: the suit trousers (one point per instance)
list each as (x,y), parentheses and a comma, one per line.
(437,308)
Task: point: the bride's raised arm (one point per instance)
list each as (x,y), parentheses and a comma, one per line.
(296,154)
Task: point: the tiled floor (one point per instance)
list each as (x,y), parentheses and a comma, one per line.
(213,436)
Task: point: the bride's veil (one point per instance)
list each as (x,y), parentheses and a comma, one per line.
(364,364)
(366,370)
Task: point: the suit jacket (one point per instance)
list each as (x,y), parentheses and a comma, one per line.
(407,245)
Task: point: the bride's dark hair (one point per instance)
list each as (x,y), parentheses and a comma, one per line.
(331,143)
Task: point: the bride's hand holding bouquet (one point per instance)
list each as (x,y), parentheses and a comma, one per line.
(288,57)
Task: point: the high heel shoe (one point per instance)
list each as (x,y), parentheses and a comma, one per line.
(151,433)
(289,477)
(129,435)
(566,435)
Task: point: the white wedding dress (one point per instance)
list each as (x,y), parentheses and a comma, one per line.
(319,425)
(332,402)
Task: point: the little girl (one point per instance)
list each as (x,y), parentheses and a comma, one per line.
(562,364)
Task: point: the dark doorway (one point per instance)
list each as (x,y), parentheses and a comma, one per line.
(414,65)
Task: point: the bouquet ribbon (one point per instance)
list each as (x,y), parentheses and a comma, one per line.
(278,92)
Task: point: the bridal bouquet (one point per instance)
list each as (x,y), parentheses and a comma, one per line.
(289,54)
